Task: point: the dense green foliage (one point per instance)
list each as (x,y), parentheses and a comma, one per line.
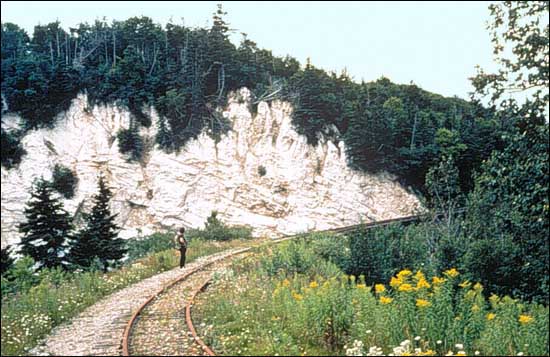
(7,259)
(99,237)
(140,247)
(214,229)
(508,211)
(12,152)
(186,74)
(46,228)
(393,127)
(508,218)
(64,181)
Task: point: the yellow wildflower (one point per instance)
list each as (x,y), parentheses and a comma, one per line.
(361,286)
(297,296)
(525,319)
(352,278)
(313,284)
(478,287)
(437,280)
(461,353)
(286,282)
(422,303)
(379,288)
(490,316)
(451,273)
(404,273)
(465,284)
(419,275)
(406,288)
(475,308)
(395,282)
(422,283)
(494,299)
(385,300)
(427,353)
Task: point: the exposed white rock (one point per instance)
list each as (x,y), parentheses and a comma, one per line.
(304,188)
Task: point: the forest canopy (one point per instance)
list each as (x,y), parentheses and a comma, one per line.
(186,74)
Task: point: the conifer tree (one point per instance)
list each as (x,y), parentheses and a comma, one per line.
(99,237)
(7,259)
(47,227)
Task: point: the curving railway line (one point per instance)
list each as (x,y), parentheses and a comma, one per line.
(163,324)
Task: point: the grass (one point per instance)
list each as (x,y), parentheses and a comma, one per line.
(29,316)
(288,300)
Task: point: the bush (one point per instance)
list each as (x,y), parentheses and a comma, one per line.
(331,247)
(21,277)
(216,230)
(379,253)
(7,260)
(12,152)
(130,142)
(156,242)
(64,181)
(261,171)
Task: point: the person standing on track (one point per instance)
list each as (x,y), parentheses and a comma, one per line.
(181,244)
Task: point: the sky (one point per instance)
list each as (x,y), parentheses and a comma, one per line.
(436,45)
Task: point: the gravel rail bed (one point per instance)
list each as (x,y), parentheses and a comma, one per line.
(98,330)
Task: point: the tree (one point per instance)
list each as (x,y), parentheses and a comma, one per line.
(12,152)
(99,237)
(7,259)
(46,229)
(520,36)
(64,181)
(509,206)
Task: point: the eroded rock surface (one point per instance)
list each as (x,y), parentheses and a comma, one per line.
(304,187)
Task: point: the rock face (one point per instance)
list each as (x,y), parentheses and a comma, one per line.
(302,187)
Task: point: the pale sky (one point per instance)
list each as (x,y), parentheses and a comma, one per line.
(434,44)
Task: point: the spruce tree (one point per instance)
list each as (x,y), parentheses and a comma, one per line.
(47,227)
(99,237)
(7,259)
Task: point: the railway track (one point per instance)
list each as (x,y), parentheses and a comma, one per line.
(163,325)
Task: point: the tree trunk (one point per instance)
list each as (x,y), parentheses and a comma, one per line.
(57,40)
(51,52)
(414,128)
(67,49)
(114,49)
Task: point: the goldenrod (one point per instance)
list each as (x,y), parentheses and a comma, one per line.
(422,303)
(451,273)
(385,300)
(525,319)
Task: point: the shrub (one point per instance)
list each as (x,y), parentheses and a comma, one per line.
(261,171)
(130,142)
(64,181)
(7,260)
(379,253)
(216,230)
(156,242)
(12,152)
(21,277)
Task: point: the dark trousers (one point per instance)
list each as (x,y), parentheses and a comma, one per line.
(182,257)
